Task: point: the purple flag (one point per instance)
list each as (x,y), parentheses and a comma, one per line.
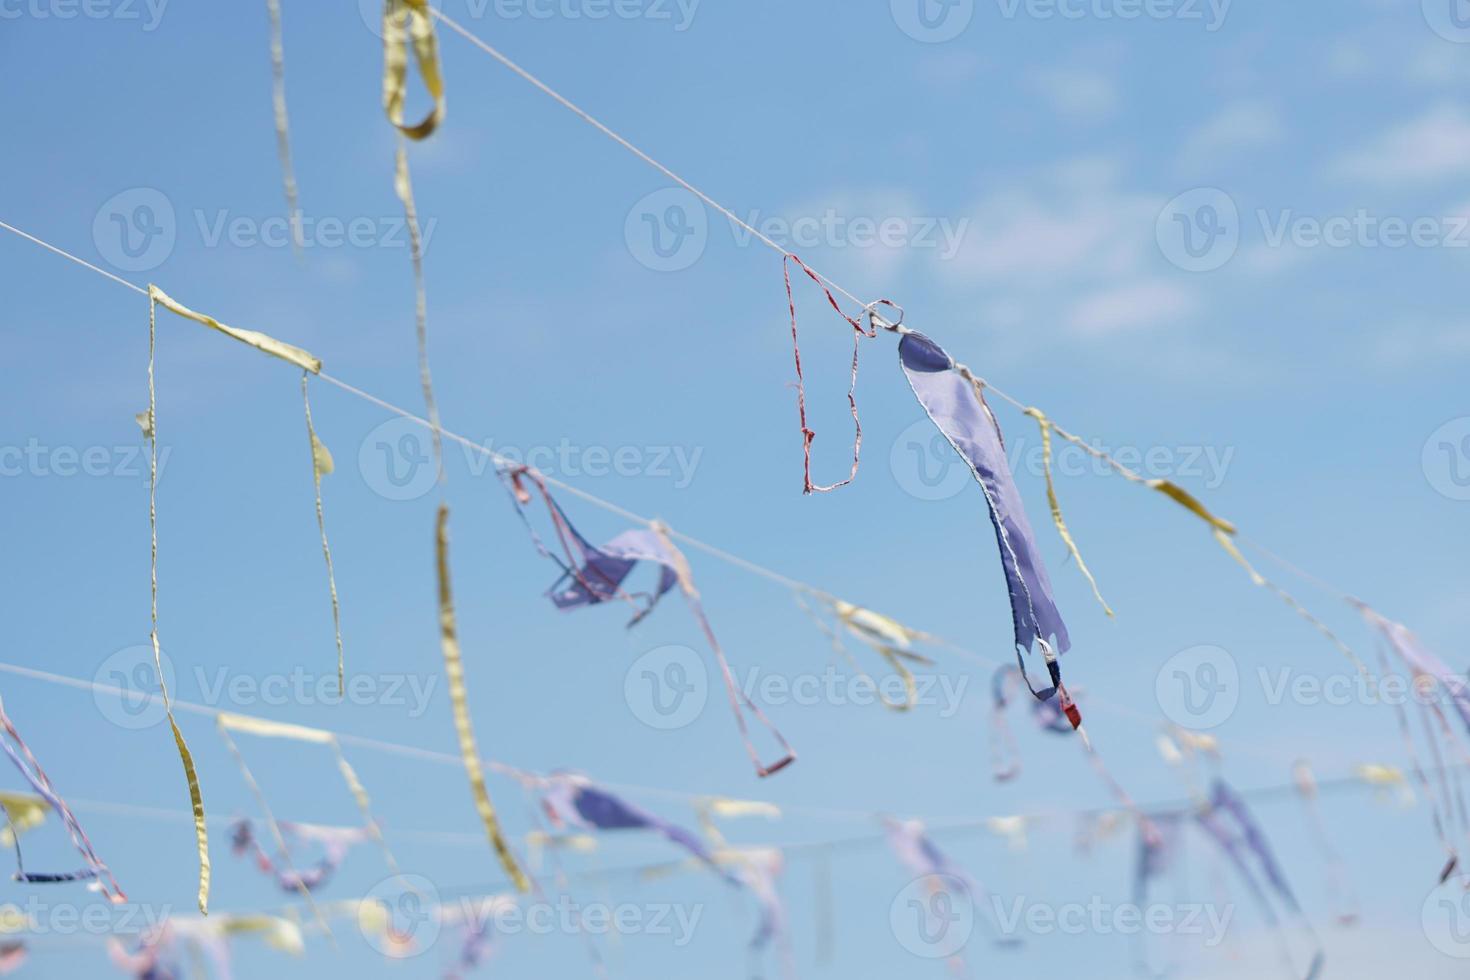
(573,800)
(1231,825)
(955,406)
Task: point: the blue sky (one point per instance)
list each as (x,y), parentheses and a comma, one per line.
(1226,241)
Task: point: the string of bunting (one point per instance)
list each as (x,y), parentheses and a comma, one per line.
(954,399)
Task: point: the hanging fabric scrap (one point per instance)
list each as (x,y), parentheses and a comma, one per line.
(334,844)
(953,399)
(159,951)
(592,575)
(261,342)
(283,126)
(1230,824)
(573,800)
(1056,507)
(943,883)
(1338,883)
(459,703)
(261,728)
(150,432)
(322,465)
(27,812)
(858,334)
(887,637)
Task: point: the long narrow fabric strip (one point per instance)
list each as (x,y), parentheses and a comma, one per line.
(322,465)
(261,342)
(263,728)
(1056,507)
(454,673)
(807,435)
(283,125)
(953,403)
(30,769)
(196,798)
(222,724)
(668,554)
(405,23)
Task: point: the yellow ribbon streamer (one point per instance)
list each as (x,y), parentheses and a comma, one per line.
(261,342)
(1188,501)
(196,798)
(403,186)
(1056,507)
(225,721)
(283,126)
(23,812)
(459,701)
(322,465)
(873,628)
(408,22)
(263,728)
(711,807)
(1234,552)
(1224,532)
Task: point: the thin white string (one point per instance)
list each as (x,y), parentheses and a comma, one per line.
(396,748)
(868,307)
(745,564)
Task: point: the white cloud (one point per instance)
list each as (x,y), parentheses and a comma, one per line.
(1079,95)
(1238,126)
(1071,226)
(1415,344)
(1130,306)
(1435,145)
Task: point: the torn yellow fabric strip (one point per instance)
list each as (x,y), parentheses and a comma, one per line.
(283,125)
(408,22)
(222,721)
(1056,507)
(1187,500)
(866,621)
(261,342)
(322,465)
(272,729)
(364,805)
(191,776)
(895,658)
(872,628)
(403,186)
(1234,552)
(459,701)
(278,933)
(23,812)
